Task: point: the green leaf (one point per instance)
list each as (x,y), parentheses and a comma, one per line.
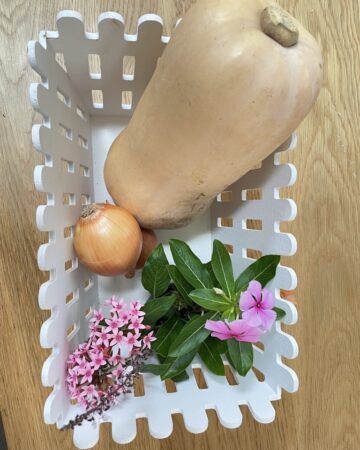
(166,332)
(209,268)
(240,355)
(210,353)
(208,299)
(189,265)
(177,365)
(155,369)
(192,335)
(183,287)
(229,314)
(177,378)
(156,308)
(155,277)
(181,377)
(262,270)
(280,313)
(221,345)
(222,268)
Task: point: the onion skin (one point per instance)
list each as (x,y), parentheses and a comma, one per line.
(150,241)
(107,239)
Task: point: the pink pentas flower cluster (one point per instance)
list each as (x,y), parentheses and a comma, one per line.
(257,316)
(99,363)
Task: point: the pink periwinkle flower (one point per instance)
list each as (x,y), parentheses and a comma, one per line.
(135,309)
(256,304)
(81,399)
(82,349)
(93,327)
(81,363)
(117,359)
(136,324)
(237,329)
(148,339)
(87,373)
(97,360)
(96,349)
(102,338)
(117,339)
(112,301)
(90,391)
(97,316)
(72,377)
(110,345)
(71,359)
(113,325)
(132,340)
(117,306)
(125,316)
(75,392)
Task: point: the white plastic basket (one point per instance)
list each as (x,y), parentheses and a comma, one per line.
(74,138)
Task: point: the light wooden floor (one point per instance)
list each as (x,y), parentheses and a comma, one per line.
(325,413)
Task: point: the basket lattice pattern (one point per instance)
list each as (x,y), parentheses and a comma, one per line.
(85,76)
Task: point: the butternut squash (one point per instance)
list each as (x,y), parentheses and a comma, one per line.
(236,79)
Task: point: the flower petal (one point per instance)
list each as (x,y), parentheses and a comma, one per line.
(238,326)
(267,317)
(217,325)
(255,289)
(243,332)
(247,301)
(251,317)
(221,336)
(252,335)
(268,300)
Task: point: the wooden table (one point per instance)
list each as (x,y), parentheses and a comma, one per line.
(325,413)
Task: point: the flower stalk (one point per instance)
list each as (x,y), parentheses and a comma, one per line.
(107,364)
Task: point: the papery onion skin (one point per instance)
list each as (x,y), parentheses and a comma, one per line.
(107,239)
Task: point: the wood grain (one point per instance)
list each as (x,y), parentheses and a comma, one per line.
(325,413)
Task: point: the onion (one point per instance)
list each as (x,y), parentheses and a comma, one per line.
(107,239)
(149,243)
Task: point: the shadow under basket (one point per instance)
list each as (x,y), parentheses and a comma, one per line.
(90,85)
